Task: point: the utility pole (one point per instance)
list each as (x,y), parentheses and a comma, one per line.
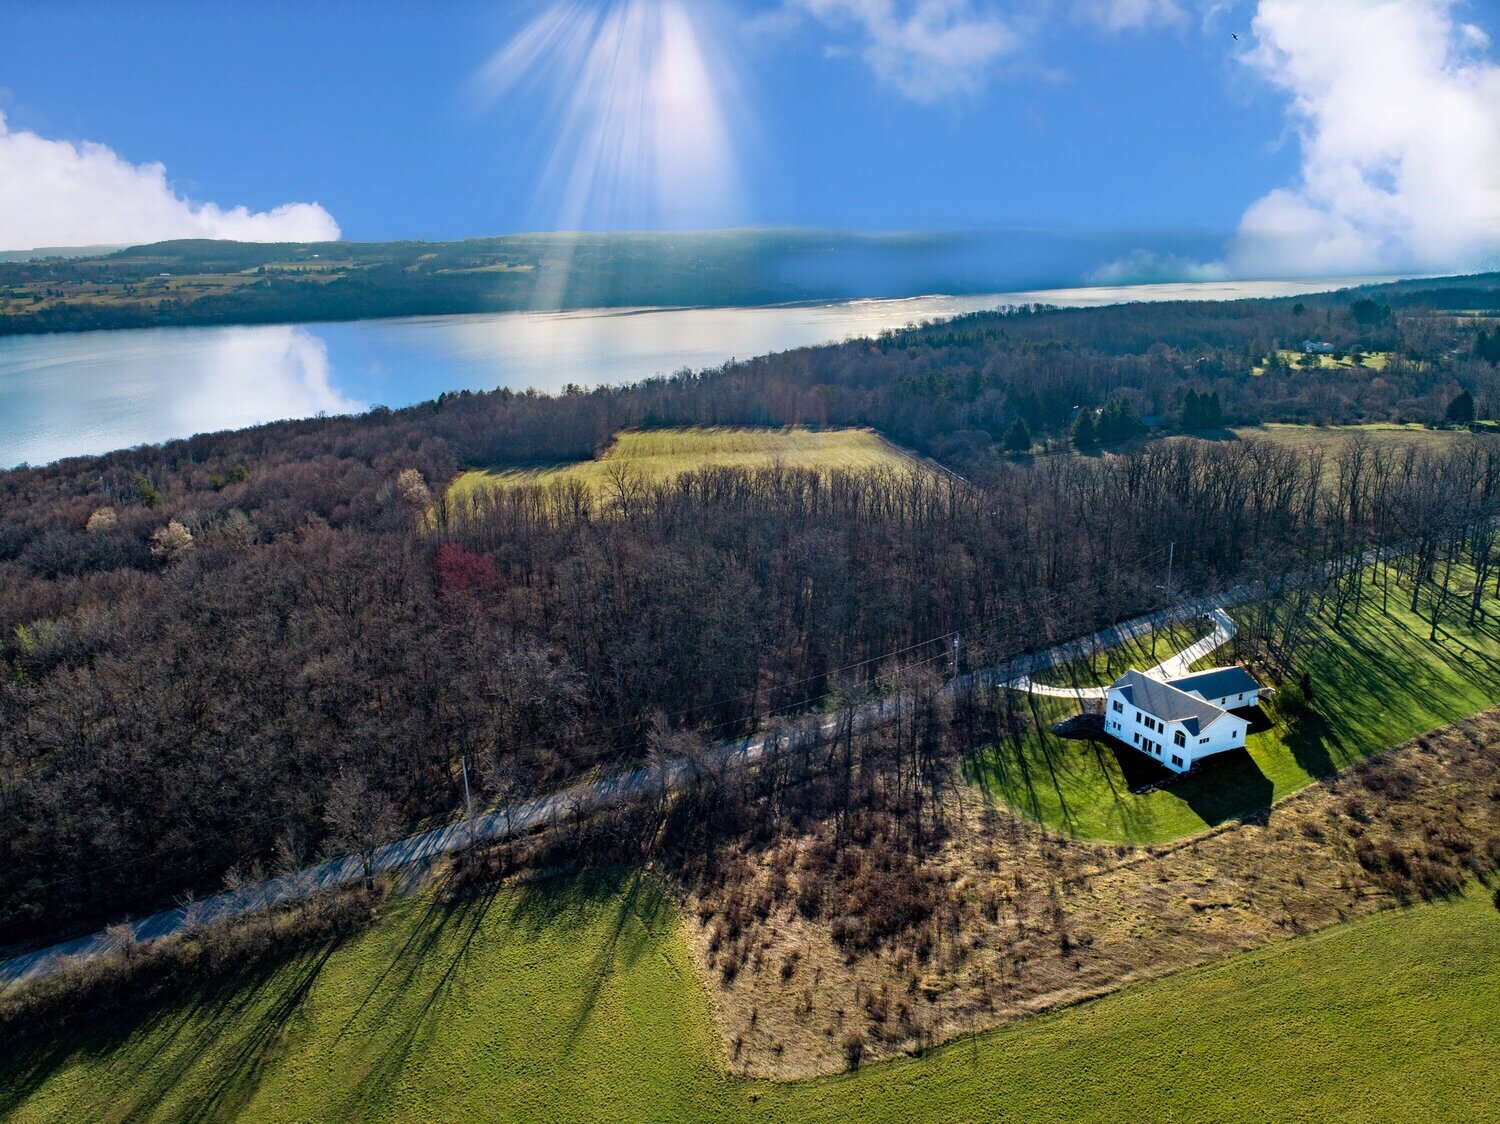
(463,763)
(1167,612)
(955,654)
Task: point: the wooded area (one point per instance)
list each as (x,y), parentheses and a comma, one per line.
(226,653)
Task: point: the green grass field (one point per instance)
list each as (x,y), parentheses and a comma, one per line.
(1373,361)
(577,1001)
(661,454)
(1377,683)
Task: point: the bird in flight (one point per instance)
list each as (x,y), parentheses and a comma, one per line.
(1233,36)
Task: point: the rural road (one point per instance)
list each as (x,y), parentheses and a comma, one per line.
(522,817)
(519,818)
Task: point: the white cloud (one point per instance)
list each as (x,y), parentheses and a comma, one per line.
(1147,267)
(246,376)
(1398,116)
(1130,15)
(57,193)
(927,49)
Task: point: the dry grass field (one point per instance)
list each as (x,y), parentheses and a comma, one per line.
(1330,437)
(1026,920)
(658,455)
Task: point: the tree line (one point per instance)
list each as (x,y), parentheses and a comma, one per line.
(226,650)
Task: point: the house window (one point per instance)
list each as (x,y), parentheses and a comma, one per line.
(1177,760)
(1202,741)
(1179,738)
(1137,716)
(1156,748)
(1137,737)
(1118,706)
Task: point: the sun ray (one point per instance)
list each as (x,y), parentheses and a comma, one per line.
(644,103)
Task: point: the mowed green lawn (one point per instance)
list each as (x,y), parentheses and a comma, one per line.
(662,454)
(1376,682)
(576,1001)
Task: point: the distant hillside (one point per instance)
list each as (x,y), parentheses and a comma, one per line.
(59,252)
(211,282)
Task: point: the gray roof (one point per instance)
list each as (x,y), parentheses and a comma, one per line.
(1217,682)
(1164,701)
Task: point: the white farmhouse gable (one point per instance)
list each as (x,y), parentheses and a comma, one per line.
(1180,721)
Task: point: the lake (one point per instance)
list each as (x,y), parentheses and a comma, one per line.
(90,392)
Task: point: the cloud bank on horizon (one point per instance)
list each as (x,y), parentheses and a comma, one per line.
(58,193)
(1397,109)
(641,116)
(1395,105)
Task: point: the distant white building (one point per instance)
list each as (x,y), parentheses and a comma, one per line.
(1317,347)
(1181,721)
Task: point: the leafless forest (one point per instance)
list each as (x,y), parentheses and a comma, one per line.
(228,653)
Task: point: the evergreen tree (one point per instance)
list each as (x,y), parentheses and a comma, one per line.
(1018,437)
(1192,411)
(1118,421)
(1085,435)
(1461,409)
(1487,346)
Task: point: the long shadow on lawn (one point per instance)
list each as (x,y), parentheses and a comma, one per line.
(220,1010)
(542,905)
(415,987)
(1373,673)
(434,962)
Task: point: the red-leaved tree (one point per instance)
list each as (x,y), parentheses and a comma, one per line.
(459,569)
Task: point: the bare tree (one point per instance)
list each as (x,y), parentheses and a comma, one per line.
(359,819)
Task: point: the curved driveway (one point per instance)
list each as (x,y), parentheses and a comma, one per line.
(1170,668)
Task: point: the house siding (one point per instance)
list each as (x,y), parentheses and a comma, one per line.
(1128,725)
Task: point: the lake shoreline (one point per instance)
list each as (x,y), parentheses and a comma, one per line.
(67,394)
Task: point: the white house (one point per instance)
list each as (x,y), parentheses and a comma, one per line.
(1183,720)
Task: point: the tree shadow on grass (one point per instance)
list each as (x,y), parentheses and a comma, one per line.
(1017,770)
(251,1011)
(623,892)
(437,960)
(1314,744)
(413,993)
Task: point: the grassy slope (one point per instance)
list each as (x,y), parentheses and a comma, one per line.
(575,1000)
(1386,1019)
(661,454)
(1377,683)
(578,1002)
(1331,436)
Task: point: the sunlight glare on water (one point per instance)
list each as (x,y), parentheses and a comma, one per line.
(89,392)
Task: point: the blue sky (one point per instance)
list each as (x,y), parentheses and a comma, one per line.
(1086,115)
